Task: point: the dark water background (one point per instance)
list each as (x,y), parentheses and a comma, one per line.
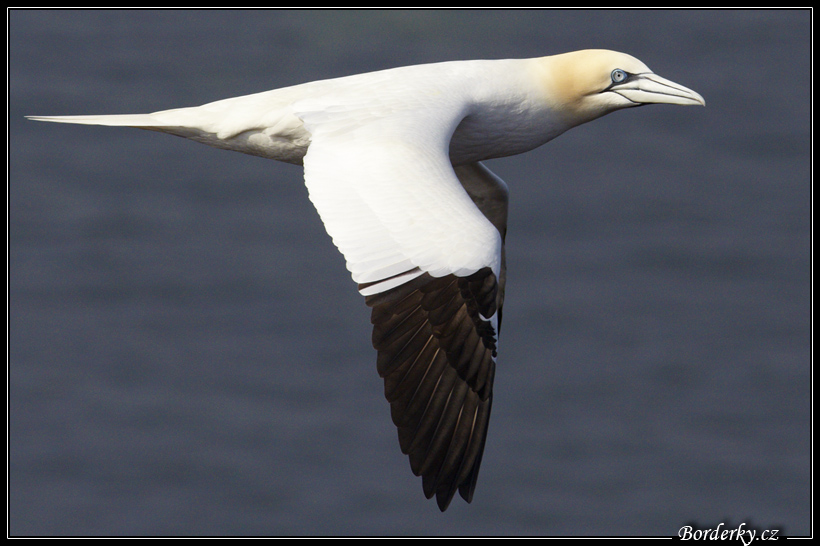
(188,355)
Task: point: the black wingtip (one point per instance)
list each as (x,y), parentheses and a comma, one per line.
(443,499)
(435,353)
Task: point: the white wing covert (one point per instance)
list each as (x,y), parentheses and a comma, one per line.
(389,198)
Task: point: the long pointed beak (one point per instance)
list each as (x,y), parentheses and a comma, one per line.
(650,88)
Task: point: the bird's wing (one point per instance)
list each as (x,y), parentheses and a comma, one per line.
(429,263)
(389,197)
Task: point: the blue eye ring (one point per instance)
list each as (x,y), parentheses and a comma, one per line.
(618,75)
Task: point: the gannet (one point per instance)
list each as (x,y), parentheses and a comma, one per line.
(393,164)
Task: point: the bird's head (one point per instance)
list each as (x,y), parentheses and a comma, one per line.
(591,83)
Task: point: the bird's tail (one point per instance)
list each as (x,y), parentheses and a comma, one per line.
(122,120)
(177,122)
(218,124)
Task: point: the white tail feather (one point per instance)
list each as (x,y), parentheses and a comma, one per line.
(123,120)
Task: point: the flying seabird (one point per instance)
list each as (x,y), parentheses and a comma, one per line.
(393,164)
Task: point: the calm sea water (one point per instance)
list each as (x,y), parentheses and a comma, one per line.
(188,355)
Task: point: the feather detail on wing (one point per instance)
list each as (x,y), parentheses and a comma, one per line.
(436,352)
(389,198)
(424,241)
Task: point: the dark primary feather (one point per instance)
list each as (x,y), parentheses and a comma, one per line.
(436,353)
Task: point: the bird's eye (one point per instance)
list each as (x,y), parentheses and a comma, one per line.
(618,75)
